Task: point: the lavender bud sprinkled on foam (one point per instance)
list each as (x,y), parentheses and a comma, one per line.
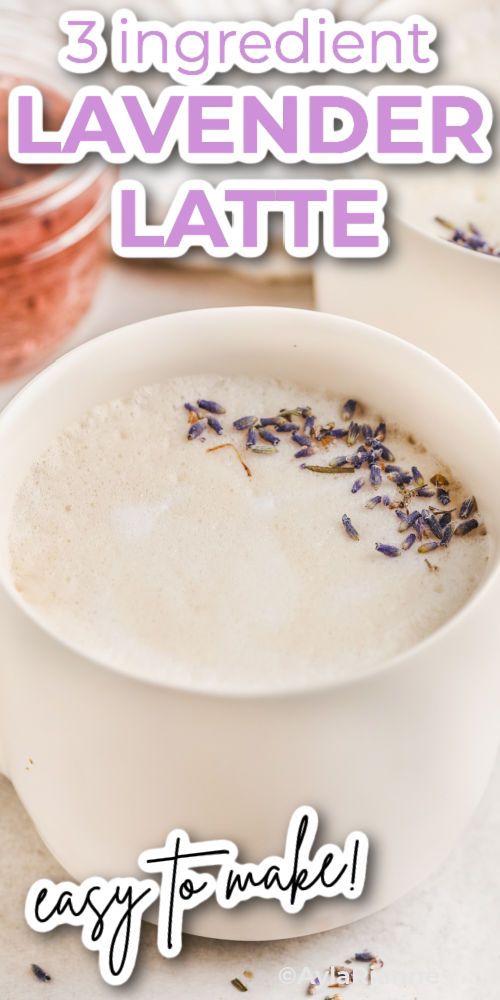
(196,430)
(215,425)
(447,535)
(210,406)
(349,527)
(466,527)
(244,423)
(302,439)
(468,507)
(269,437)
(251,437)
(286,427)
(428,547)
(352,433)
(349,409)
(391,551)
(409,541)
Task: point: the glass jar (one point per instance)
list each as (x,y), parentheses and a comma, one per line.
(53,220)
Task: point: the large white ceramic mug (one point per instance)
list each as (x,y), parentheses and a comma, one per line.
(433,293)
(403,753)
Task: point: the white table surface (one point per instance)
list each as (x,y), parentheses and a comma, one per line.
(441,942)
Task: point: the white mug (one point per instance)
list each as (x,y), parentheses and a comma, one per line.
(107,765)
(431,292)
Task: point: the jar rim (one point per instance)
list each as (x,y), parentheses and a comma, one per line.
(69,237)
(59,184)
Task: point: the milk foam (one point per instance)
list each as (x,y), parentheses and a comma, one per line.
(167,561)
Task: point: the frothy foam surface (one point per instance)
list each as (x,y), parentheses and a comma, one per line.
(167,561)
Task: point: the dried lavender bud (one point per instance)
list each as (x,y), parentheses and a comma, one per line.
(439,480)
(349,527)
(443,497)
(337,432)
(190,408)
(357,486)
(251,438)
(432,523)
(424,491)
(391,551)
(297,411)
(428,547)
(380,432)
(215,425)
(393,468)
(413,518)
(375,475)
(208,404)
(269,421)
(409,541)
(386,454)
(403,518)
(270,438)
(445,519)
(374,502)
(364,956)
(338,462)
(417,476)
(244,423)
(447,535)
(386,501)
(302,439)
(196,430)
(420,527)
(400,478)
(476,242)
(349,409)
(468,507)
(357,461)
(40,973)
(367,432)
(352,433)
(304,452)
(466,527)
(286,427)
(309,424)
(330,469)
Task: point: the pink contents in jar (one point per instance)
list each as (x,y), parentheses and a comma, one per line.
(52,243)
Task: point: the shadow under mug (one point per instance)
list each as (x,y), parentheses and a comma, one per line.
(402,753)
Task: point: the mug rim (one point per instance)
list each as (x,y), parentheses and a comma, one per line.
(443,243)
(399,660)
